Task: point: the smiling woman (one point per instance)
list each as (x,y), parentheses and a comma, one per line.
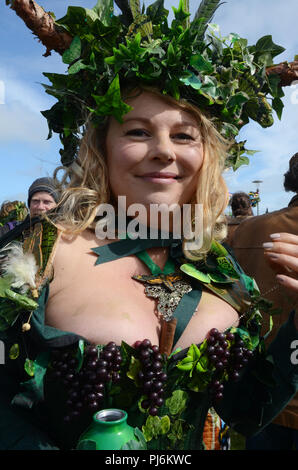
(145,326)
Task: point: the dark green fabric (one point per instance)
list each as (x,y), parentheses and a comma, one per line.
(185,310)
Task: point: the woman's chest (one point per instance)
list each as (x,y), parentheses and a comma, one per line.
(103,303)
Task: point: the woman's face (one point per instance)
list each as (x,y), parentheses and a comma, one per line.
(155,155)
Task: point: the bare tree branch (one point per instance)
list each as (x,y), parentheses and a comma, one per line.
(287,71)
(43,25)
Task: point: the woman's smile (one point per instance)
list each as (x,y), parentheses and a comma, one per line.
(157,177)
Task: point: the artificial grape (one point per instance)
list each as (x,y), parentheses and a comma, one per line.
(137,344)
(107,355)
(91,351)
(98,387)
(157,385)
(235,375)
(230,336)
(144,354)
(213,358)
(218,351)
(147,386)
(93,406)
(158,357)
(210,349)
(145,404)
(214,332)
(224,344)
(219,365)
(163,377)
(248,353)
(221,337)
(149,374)
(115,377)
(158,401)
(211,340)
(218,396)
(146,343)
(153,396)
(153,411)
(157,366)
(155,348)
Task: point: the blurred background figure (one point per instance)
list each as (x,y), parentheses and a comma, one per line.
(248,247)
(43,195)
(11,213)
(241,209)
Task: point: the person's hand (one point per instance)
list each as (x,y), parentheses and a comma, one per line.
(281,252)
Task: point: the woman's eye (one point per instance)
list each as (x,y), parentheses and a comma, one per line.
(137,132)
(183,136)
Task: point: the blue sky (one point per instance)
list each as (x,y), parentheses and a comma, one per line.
(26,154)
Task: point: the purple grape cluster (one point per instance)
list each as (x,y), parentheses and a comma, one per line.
(151,376)
(228,354)
(85,388)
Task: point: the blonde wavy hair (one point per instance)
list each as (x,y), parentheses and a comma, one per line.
(86,181)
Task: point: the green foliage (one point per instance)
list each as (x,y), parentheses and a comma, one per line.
(222,75)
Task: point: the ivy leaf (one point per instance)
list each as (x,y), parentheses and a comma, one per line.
(177,402)
(199,63)
(237,100)
(152,428)
(278,106)
(265,44)
(111,103)
(134,368)
(193,81)
(74,51)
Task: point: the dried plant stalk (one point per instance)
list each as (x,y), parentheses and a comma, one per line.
(43,26)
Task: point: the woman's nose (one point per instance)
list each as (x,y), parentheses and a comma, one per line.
(162,149)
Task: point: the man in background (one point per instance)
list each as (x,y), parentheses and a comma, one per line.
(248,247)
(43,195)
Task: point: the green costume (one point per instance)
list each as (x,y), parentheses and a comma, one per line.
(33,403)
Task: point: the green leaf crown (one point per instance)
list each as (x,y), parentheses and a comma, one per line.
(222,76)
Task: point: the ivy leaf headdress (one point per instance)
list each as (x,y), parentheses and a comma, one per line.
(230,80)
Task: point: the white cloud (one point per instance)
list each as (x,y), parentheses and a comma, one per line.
(19,123)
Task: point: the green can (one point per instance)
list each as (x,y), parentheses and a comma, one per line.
(109,430)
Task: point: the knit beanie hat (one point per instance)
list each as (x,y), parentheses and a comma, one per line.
(43,185)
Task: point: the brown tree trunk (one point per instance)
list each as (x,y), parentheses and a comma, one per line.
(43,26)
(54,38)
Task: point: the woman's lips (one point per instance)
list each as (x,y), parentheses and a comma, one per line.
(160,178)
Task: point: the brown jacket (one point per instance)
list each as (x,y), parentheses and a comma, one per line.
(247,245)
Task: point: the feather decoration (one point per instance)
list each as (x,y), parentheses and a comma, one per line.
(206,10)
(20,266)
